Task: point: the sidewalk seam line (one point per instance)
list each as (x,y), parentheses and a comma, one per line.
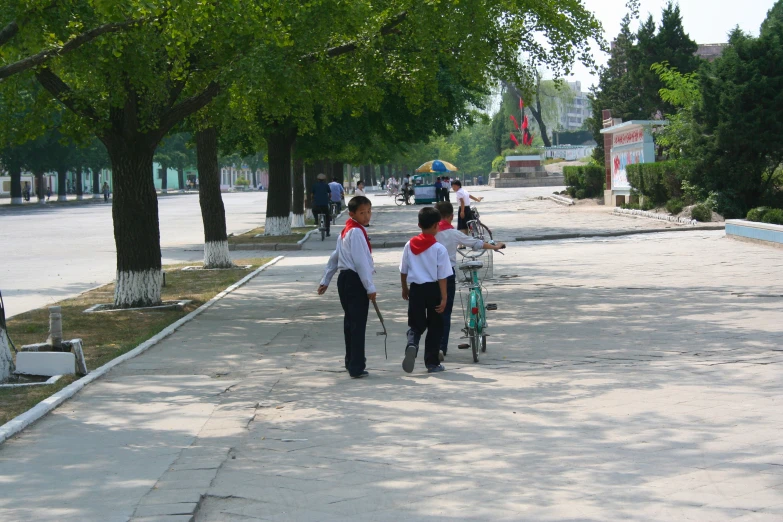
(21,421)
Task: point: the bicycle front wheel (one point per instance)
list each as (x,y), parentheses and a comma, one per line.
(399,199)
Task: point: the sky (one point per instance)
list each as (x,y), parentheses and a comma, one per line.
(706,21)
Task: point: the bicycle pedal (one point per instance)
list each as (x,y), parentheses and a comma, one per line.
(492,307)
(463,346)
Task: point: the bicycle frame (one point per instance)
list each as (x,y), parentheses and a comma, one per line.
(475,313)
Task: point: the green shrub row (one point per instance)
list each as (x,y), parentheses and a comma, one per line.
(586,181)
(660,181)
(702,213)
(773,216)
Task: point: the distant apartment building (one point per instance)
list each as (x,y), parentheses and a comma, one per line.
(710,52)
(574,114)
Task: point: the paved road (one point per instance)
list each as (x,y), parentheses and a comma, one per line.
(635,378)
(56,251)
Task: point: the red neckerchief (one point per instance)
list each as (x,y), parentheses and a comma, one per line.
(421,243)
(352,223)
(444,225)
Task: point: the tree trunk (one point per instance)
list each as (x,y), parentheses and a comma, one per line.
(255,178)
(181,178)
(311,171)
(278,202)
(96,183)
(384,173)
(62,175)
(213,213)
(79,183)
(540,120)
(15,171)
(163,172)
(40,190)
(298,211)
(136,228)
(338,169)
(7,367)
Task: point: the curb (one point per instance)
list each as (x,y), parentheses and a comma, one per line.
(20,422)
(550,237)
(653,215)
(562,200)
(260,247)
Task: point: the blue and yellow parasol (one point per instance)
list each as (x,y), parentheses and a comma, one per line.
(437,166)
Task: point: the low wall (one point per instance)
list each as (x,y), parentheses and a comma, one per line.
(753,231)
(549,181)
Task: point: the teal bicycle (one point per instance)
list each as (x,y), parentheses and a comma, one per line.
(475,313)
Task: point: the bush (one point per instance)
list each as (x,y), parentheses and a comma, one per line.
(581,194)
(674,206)
(571,175)
(773,216)
(588,178)
(634,174)
(756,214)
(701,213)
(647,204)
(571,191)
(242,182)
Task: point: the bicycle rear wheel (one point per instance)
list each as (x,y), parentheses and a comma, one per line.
(399,199)
(474,343)
(484,343)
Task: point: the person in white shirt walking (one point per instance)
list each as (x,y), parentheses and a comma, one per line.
(450,238)
(425,266)
(463,199)
(353,258)
(359,189)
(337,193)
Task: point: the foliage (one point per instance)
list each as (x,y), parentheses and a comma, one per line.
(588,179)
(499,164)
(773,216)
(756,214)
(691,193)
(701,213)
(627,84)
(242,182)
(674,206)
(658,182)
(580,194)
(682,92)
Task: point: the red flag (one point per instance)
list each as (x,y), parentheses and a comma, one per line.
(524,122)
(514,139)
(521,104)
(515,122)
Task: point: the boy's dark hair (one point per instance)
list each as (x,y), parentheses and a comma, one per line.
(335,179)
(428,216)
(456,182)
(358,201)
(360,182)
(438,178)
(445,209)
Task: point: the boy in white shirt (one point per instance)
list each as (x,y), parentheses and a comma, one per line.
(359,189)
(353,257)
(450,238)
(463,200)
(425,265)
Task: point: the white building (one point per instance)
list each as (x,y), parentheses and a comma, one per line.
(574,115)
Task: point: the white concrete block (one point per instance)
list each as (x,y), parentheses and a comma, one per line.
(45,363)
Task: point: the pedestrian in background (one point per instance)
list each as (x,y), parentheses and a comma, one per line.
(106,192)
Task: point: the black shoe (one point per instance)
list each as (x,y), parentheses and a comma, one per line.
(436,369)
(410,358)
(365,373)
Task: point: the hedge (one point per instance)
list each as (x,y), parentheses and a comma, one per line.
(773,216)
(589,179)
(660,182)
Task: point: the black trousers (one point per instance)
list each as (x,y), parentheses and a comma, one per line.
(422,300)
(356,305)
(451,290)
(325,211)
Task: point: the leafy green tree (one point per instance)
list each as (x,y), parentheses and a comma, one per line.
(739,143)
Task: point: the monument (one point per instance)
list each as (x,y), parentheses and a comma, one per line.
(526,171)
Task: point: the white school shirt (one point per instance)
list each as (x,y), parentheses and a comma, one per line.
(451,238)
(352,253)
(359,192)
(462,195)
(427,267)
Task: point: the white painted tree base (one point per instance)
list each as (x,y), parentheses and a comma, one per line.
(17,201)
(277,226)
(62,198)
(97,196)
(216,255)
(297,220)
(6,358)
(309,213)
(80,197)
(138,288)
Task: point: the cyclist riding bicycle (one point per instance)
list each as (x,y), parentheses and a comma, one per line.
(320,194)
(337,195)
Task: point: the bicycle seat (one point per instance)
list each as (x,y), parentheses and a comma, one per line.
(471,265)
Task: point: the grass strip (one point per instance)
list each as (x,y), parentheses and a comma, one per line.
(109,335)
(248,238)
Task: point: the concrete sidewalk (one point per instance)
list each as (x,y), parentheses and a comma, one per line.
(626,379)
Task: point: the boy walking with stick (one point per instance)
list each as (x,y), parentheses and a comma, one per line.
(425,266)
(353,257)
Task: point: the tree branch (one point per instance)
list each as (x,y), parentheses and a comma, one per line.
(73,44)
(8,32)
(64,94)
(350,47)
(185,109)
